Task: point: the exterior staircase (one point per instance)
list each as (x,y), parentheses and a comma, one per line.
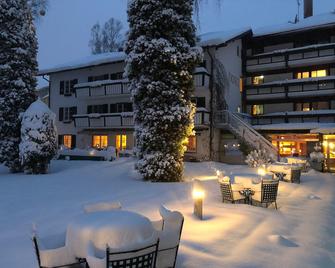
(244,131)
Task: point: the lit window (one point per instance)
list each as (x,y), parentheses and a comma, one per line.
(319,73)
(191,144)
(308,74)
(257,109)
(121,142)
(241,85)
(100,142)
(67,141)
(257,80)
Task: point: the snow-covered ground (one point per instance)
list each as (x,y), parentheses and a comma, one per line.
(300,234)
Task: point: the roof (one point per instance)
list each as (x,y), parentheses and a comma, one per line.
(314,22)
(293,126)
(89,61)
(221,37)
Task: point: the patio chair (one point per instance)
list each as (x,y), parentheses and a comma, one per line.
(51,252)
(268,193)
(103,206)
(140,255)
(171,228)
(228,194)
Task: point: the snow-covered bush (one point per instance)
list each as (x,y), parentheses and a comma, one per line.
(162,56)
(18,68)
(38,138)
(259,158)
(317,156)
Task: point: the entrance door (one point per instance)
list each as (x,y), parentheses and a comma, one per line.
(329,152)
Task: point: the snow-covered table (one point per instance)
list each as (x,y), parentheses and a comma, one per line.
(286,172)
(115,228)
(251,181)
(299,162)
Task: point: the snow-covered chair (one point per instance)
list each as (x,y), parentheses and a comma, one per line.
(51,252)
(102,206)
(268,193)
(169,232)
(228,193)
(142,254)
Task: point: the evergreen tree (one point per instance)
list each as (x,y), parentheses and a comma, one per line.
(38,138)
(161,60)
(18,67)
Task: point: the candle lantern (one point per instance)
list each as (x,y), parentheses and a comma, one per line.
(198,197)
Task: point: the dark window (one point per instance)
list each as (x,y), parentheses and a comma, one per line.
(121,107)
(200,102)
(73,83)
(73,111)
(128,107)
(61,114)
(98,78)
(238,51)
(97,109)
(61,88)
(113,108)
(116,76)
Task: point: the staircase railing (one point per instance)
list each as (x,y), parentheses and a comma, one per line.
(244,131)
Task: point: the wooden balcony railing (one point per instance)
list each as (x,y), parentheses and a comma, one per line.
(125,120)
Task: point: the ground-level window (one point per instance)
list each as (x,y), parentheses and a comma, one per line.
(257,109)
(313,73)
(68,141)
(191,144)
(121,142)
(258,80)
(100,141)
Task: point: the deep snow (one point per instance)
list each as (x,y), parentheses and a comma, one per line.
(300,234)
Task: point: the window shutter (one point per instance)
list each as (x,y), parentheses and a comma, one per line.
(73,111)
(60,140)
(61,88)
(73,83)
(89,109)
(105,108)
(73,142)
(61,114)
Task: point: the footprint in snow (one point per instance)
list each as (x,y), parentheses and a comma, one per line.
(282,241)
(313,197)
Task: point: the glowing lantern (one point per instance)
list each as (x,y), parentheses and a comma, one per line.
(198,195)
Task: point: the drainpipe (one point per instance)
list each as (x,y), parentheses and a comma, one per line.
(211,114)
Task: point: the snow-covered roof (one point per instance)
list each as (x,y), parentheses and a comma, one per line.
(101,83)
(88,61)
(221,37)
(325,130)
(295,81)
(315,112)
(314,22)
(293,126)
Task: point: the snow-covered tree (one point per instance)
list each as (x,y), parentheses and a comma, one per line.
(38,138)
(161,60)
(18,67)
(259,158)
(38,7)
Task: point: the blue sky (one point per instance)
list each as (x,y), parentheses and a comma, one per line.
(64,32)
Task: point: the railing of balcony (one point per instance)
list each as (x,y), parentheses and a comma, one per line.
(123,120)
(286,56)
(293,87)
(280,119)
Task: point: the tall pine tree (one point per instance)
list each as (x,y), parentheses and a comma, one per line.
(161,60)
(18,67)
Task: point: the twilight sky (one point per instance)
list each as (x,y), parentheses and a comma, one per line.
(64,32)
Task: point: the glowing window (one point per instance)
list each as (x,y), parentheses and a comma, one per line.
(121,142)
(257,80)
(67,141)
(319,73)
(257,109)
(241,85)
(191,144)
(315,73)
(100,141)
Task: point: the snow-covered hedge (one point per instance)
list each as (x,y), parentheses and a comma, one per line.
(38,138)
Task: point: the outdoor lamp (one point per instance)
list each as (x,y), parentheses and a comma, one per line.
(198,195)
(261,172)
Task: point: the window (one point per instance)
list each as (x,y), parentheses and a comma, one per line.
(121,107)
(97,109)
(311,106)
(257,109)
(121,142)
(98,78)
(191,144)
(100,141)
(116,76)
(66,114)
(200,102)
(314,73)
(68,141)
(258,80)
(66,88)
(241,85)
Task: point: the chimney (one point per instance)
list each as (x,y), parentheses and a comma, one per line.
(308,8)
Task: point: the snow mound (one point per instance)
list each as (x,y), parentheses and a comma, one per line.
(314,197)
(282,241)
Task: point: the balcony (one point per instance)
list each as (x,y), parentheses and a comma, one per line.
(124,120)
(295,88)
(106,88)
(291,58)
(318,116)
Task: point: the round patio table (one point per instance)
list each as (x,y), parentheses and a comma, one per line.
(115,228)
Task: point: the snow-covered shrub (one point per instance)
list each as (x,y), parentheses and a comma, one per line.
(317,156)
(38,138)
(259,158)
(18,68)
(162,56)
